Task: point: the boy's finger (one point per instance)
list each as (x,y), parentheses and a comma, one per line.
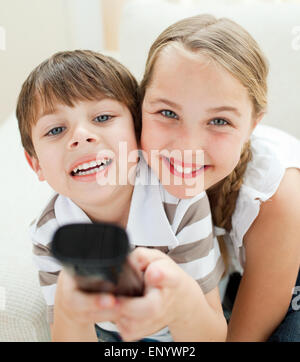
(139,307)
(93,302)
(162,273)
(142,257)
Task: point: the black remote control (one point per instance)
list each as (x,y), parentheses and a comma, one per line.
(97,256)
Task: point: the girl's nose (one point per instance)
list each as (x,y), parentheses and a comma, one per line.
(192,139)
(80,137)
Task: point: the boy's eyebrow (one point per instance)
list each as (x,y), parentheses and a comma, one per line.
(48,112)
(223,109)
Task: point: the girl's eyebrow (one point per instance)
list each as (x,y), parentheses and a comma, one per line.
(209,110)
(166,101)
(223,109)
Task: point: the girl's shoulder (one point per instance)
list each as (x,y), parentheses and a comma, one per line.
(273,151)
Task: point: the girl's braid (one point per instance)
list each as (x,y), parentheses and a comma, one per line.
(223,198)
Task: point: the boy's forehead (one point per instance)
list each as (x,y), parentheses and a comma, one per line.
(45,111)
(47,103)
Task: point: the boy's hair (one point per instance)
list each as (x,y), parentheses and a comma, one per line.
(231,46)
(71,76)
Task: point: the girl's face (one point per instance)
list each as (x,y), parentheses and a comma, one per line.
(196,119)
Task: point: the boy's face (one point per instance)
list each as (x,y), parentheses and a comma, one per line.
(82,151)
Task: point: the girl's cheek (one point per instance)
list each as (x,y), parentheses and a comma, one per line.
(152,135)
(223,148)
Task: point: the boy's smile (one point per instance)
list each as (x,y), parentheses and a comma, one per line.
(78,150)
(87,168)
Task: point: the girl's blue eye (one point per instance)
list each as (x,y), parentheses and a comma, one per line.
(169,114)
(55,131)
(102,118)
(219,122)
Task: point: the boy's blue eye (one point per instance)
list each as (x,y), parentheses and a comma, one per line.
(169,114)
(102,118)
(55,131)
(219,122)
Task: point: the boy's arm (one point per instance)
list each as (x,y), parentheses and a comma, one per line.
(196,316)
(66,327)
(76,312)
(206,321)
(172,299)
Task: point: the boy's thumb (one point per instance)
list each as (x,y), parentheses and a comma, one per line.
(159,274)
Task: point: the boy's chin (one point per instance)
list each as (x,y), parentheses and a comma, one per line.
(102,195)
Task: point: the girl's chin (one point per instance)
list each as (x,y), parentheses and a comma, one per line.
(184,191)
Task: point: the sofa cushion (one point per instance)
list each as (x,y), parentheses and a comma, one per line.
(22,307)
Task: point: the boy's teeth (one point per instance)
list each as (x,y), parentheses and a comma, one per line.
(85,166)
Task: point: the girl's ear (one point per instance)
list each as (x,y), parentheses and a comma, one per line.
(35,165)
(257,120)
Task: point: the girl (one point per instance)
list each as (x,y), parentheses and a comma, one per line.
(205,87)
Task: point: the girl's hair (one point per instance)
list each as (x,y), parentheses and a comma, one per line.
(71,76)
(231,46)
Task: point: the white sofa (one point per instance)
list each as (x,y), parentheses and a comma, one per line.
(22,309)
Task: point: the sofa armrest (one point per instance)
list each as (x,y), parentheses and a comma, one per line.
(22,307)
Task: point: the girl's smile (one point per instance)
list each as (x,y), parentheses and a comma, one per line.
(203,109)
(183,170)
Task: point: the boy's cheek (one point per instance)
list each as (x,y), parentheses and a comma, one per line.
(35,166)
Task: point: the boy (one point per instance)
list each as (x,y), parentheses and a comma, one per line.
(75,110)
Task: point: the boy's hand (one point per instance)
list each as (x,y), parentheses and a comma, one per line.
(169,290)
(77,307)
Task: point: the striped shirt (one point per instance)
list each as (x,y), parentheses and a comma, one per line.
(182,228)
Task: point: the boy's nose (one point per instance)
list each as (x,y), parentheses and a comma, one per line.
(80,137)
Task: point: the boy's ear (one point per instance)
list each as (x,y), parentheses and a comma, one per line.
(35,165)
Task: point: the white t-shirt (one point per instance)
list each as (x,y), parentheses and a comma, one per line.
(273,152)
(181,228)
